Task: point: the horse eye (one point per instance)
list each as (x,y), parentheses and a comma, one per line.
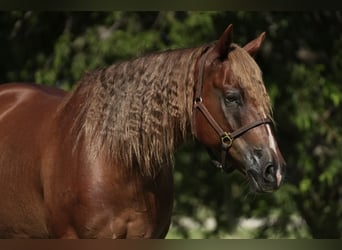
(233,98)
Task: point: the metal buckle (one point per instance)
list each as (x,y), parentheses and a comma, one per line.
(227,140)
(198,100)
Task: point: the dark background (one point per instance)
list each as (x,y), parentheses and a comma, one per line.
(301,60)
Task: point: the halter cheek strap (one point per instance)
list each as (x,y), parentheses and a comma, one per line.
(227,138)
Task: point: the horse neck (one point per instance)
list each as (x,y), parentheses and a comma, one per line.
(137,112)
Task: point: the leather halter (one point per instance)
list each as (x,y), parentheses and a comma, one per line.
(227,138)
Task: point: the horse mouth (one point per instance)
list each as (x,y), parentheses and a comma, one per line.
(256,185)
(255,180)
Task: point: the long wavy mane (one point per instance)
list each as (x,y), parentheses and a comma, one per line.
(137,111)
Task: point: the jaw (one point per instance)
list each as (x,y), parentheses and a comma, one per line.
(228,168)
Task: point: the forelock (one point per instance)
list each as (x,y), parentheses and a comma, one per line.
(247,74)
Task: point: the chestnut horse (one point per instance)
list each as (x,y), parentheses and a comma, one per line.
(97,162)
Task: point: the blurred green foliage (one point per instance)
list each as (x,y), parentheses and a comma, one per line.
(301,59)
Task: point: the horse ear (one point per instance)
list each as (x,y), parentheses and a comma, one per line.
(253,46)
(223,44)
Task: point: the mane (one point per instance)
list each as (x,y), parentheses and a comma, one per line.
(136,112)
(248,75)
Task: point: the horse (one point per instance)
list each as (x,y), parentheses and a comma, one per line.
(97,162)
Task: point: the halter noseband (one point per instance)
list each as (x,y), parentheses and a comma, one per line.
(227,138)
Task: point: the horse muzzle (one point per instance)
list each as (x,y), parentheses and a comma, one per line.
(264,170)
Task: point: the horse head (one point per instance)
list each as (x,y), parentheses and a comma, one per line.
(233,114)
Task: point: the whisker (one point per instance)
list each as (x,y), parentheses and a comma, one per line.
(247,189)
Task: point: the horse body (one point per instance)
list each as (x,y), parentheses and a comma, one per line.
(97,162)
(22,207)
(93,199)
(61,187)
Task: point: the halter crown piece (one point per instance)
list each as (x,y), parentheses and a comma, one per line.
(227,138)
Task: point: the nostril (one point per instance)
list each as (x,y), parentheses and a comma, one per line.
(270,173)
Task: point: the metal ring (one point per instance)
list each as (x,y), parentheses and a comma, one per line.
(198,100)
(227,140)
